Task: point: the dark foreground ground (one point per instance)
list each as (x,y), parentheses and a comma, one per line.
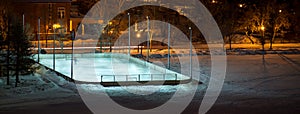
(252,86)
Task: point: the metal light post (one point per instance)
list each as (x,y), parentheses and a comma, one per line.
(110,39)
(263,39)
(148,36)
(54,49)
(169,53)
(191,51)
(129,34)
(72,56)
(138,35)
(39,31)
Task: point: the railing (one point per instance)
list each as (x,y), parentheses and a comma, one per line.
(137,77)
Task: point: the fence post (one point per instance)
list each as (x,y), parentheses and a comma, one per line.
(139,76)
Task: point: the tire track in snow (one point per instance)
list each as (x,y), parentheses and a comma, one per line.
(290,61)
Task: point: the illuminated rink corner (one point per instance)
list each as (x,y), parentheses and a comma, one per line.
(107,67)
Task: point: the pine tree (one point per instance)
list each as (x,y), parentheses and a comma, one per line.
(21,50)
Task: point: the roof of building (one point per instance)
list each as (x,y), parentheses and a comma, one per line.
(44,1)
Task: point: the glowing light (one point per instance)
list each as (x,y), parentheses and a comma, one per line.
(71,25)
(280,11)
(241,5)
(55,26)
(138,35)
(135,27)
(262,28)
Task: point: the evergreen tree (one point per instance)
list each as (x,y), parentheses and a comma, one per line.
(21,50)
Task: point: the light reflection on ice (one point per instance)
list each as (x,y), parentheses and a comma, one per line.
(106,68)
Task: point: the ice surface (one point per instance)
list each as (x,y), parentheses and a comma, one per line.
(108,68)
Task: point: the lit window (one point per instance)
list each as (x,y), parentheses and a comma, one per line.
(61,12)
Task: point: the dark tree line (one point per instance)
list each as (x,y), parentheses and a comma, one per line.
(245,17)
(15,46)
(265,20)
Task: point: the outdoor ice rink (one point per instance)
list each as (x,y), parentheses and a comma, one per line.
(105,68)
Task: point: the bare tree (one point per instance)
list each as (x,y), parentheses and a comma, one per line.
(279,21)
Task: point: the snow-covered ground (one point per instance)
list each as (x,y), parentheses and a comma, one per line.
(40,88)
(253,84)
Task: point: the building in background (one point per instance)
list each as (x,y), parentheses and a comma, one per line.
(54,16)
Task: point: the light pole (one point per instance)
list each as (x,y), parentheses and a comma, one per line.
(138,35)
(263,38)
(72,38)
(129,34)
(54,49)
(39,45)
(169,53)
(110,34)
(191,51)
(148,36)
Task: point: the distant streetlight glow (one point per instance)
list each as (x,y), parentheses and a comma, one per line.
(138,35)
(240,5)
(213,1)
(280,11)
(262,28)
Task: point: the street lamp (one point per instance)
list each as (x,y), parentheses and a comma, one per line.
(241,5)
(191,51)
(110,32)
(262,28)
(169,52)
(39,28)
(110,40)
(148,37)
(129,34)
(72,38)
(138,35)
(214,1)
